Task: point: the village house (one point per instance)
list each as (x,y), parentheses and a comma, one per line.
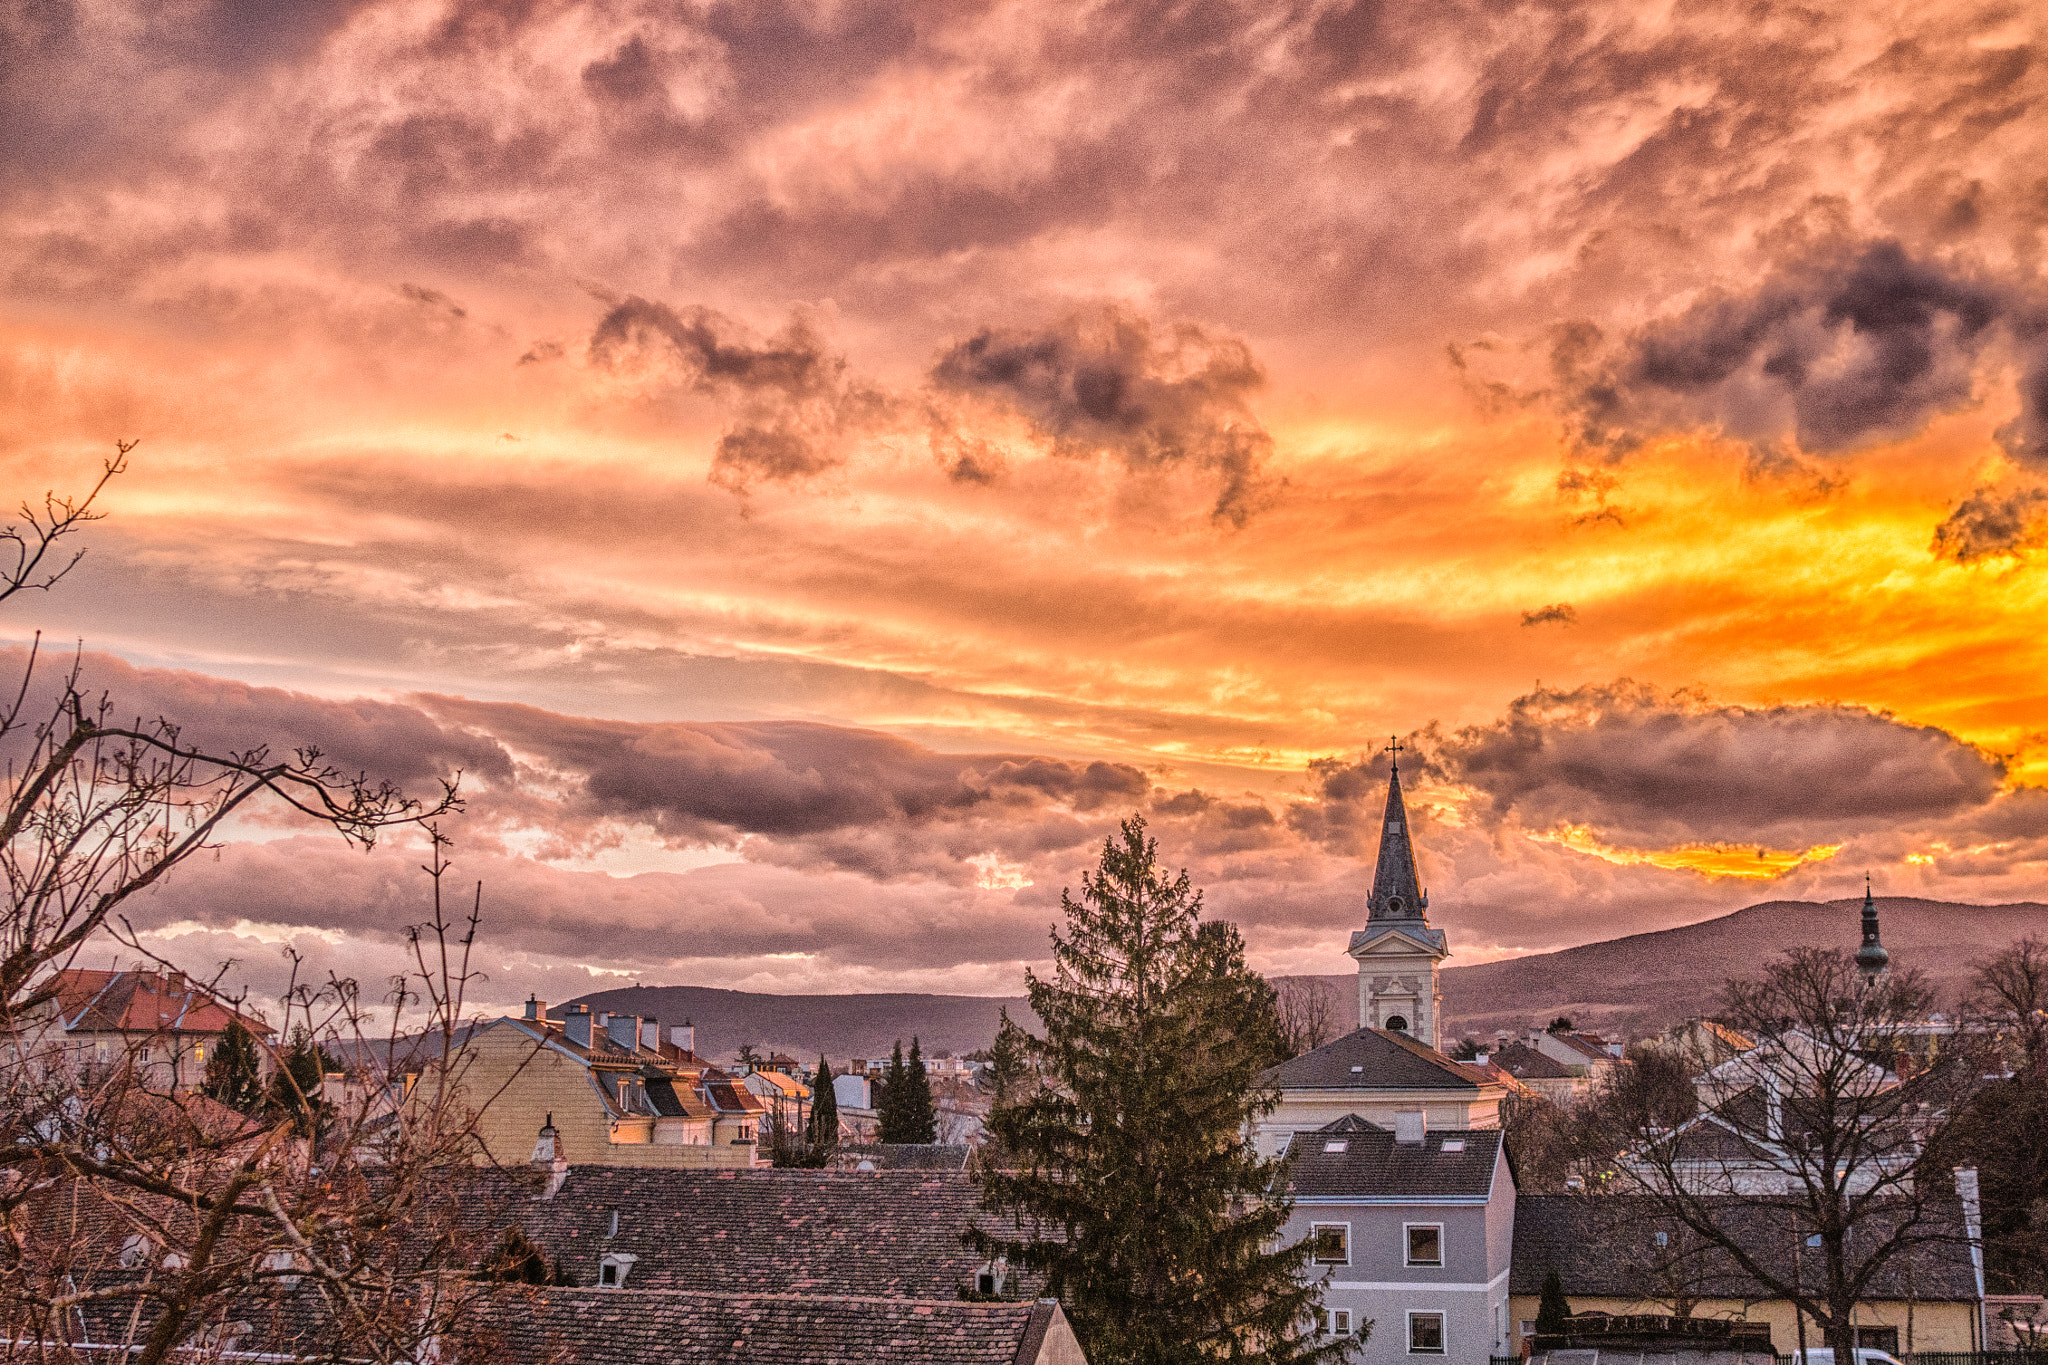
(1412,1232)
(608,1089)
(156,1020)
(1540,1073)
(781,1094)
(1616,1254)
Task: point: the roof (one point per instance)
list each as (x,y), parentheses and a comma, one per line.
(1372,1059)
(904,1156)
(789,1086)
(1603,1244)
(1396,890)
(127,1001)
(629,1327)
(1587,1045)
(1371,1165)
(1526,1063)
(732,1097)
(893,1234)
(673,1101)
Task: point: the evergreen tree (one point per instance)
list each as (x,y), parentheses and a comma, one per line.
(1135,1148)
(1009,1061)
(1553,1311)
(295,1086)
(920,1115)
(824,1130)
(889,1106)
(233,1075)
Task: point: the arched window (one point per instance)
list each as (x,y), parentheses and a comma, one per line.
(1398,1023)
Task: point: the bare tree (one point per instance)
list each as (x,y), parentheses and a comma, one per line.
(1308,1014)
(2000,1131)
(1822,1158)
(133,1210)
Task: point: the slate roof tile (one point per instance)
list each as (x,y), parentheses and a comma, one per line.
(1387,1060)
(1372,1165)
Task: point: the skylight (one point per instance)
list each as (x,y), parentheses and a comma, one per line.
(1454,1144)
(1337,1145)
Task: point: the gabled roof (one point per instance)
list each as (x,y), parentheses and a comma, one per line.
(732,1097)
(1589,1047)
(1385,1060)
(1602,1244)
(629,1327)
(1370,1165)
(1526,1063)
(129,1001)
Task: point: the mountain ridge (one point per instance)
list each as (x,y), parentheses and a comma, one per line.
(1632,984)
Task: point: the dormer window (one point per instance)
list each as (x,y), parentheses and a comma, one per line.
(989,1279)
(613,1269)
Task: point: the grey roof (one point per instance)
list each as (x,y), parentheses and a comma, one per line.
(1525,1063)
(1603,1244)
(1374,1166)
(1386,1060)
(893,1234)
(903,1156)
(625,1327)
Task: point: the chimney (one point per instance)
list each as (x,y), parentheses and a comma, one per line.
(1616,1049)
(624,1029)
(1536,1038)
(536,1010)
(577,1025)
(650,1034)
(1481,1058)
(1409,1126)
(684,1037)
(544,1146)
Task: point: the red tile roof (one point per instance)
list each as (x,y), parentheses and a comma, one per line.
(133,1001)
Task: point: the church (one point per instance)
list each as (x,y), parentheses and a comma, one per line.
(1392,1072)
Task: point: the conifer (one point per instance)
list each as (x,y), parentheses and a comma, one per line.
(1553,1310)
(895,1090)
(1132,1153)
(824,1129)
(920,1115)
(233,1075)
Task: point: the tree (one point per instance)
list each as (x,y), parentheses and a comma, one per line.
(824,1132)
(894,1085)
(748,1057)
(1160,1221)
(1825,1155)
(1999,1131)
(1308,1014)
(301,1071)
(1561,1024)
(919,1116)
(1553,1310)
(130,1210)
(233,1075)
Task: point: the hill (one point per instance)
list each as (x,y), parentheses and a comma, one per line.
(1629,985)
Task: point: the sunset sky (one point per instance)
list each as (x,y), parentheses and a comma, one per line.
(814,467)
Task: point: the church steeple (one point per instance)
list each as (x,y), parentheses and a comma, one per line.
(1871,958)
(1396,891)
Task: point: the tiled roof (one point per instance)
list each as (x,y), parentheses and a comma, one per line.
(732,1097)
(1384,1060)
(893,1234)
(676,1101)
(1526,1063)
(628,1327)
(1587,1046)
(92,1001)
(1605,1244)
(1373,1166)
(904,1156)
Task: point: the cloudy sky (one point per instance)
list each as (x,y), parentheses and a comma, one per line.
(814,467)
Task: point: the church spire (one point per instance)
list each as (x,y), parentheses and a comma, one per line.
(1396,891)
(1871,958)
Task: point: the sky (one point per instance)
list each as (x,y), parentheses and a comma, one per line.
(813,468)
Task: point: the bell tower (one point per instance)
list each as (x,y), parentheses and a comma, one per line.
(1397,952)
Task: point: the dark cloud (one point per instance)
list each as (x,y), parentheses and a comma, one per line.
(1653,769)
(1563,613)
(796,400)
(1993,522)
(1832,353)
(1113,384)
(433,298)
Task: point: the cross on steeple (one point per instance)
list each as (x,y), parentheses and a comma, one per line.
(1394,748)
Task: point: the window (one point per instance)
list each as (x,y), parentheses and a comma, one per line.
(1337,1145)
(613,1269)
(1425,1243)
(1397,1024)
(1426,1334)
(1884,1339)
(1322,1322)
(1663,1239)
(1333,1243)
(1342,1326)
(1454,1145)
(1813,1240)
(1528,1327)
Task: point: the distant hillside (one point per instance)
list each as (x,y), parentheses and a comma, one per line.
(1631,984)
(1645,981)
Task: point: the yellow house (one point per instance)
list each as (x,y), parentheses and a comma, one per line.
(1613,1254)
(612,1090)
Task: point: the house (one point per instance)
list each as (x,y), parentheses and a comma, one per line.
(853,1091)
(603,1088)
(1540,1072)
(656,1327)
(1615,1254)
(159,1021)
(1582,1054)
(1412,1233)
(781,1094)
